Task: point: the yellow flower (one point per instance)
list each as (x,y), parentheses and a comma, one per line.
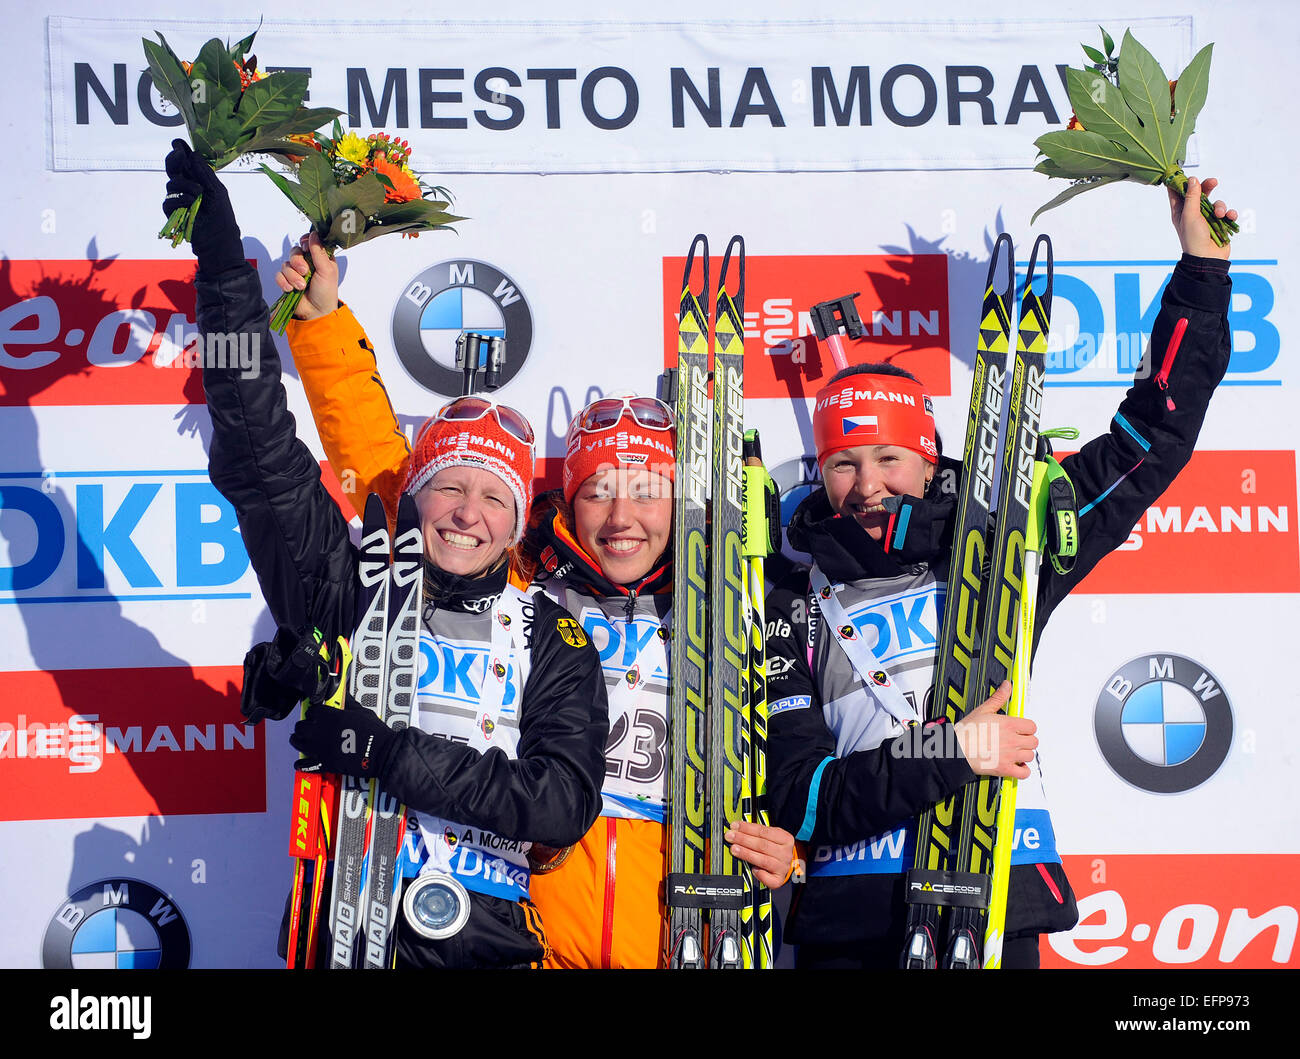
(353,148)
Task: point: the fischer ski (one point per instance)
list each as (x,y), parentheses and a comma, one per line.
(1003,596)
(982,610)
(1057,538)
(688,388)
(728,709)
(715,642)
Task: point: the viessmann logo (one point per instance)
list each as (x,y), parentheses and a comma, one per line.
(1223,506)
(447,299)
(903,303)
(127,742)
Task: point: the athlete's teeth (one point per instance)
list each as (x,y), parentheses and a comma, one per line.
(622,546)
(459,539)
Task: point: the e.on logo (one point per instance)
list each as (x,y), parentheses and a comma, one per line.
(1190,910)
(97,332)
(903,304)
(1223,506)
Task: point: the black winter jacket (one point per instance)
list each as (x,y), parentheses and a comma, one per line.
(299,546)
(1116,477)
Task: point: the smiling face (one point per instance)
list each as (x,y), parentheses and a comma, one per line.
(624,520)
(467,516)
(858,480)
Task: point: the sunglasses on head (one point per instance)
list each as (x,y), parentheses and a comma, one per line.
(470,409)
(648,412)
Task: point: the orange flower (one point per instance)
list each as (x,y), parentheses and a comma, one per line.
(1075,123)
(307,140)
(404,189)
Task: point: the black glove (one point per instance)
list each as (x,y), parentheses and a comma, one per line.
(351,742)
(280,673)
(216,238)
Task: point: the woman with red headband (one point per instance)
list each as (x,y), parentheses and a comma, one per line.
(498,756)
(841,774)
(600,547)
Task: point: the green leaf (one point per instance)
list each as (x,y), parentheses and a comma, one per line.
(365,194)
(1093,54)
(376,230)
(1107,40)
(316,178)
(1146,90)
(272,100)
(314,117)
(421,211)
(1071,192)
(169,78)
(1084,154)
(1189,96)
(223,134)
(278,147)
(292,191)
(1049,168)
(1100,108)
(241,48)
(302,123)
(218,66)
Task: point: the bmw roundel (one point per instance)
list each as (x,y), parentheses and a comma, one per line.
(1163,723)
(449,298)
(117,924)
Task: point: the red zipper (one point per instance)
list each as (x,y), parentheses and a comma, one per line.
(1171,351)
(607,933)
(1042,870)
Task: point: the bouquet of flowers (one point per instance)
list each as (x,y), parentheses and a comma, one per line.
(1129,123)
(353,189)
(231,108)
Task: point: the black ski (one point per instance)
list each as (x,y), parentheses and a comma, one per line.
(388,816)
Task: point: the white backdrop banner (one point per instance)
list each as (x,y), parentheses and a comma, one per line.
(610,97)
(141,820)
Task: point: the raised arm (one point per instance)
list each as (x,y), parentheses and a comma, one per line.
(293,532)
(337,368)
(1118,475)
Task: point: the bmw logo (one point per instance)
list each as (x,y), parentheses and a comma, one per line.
(795,480)
(117,924)
(1163,723)
(447,299)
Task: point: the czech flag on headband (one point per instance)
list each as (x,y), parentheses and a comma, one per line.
(874,410)
(860,426)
